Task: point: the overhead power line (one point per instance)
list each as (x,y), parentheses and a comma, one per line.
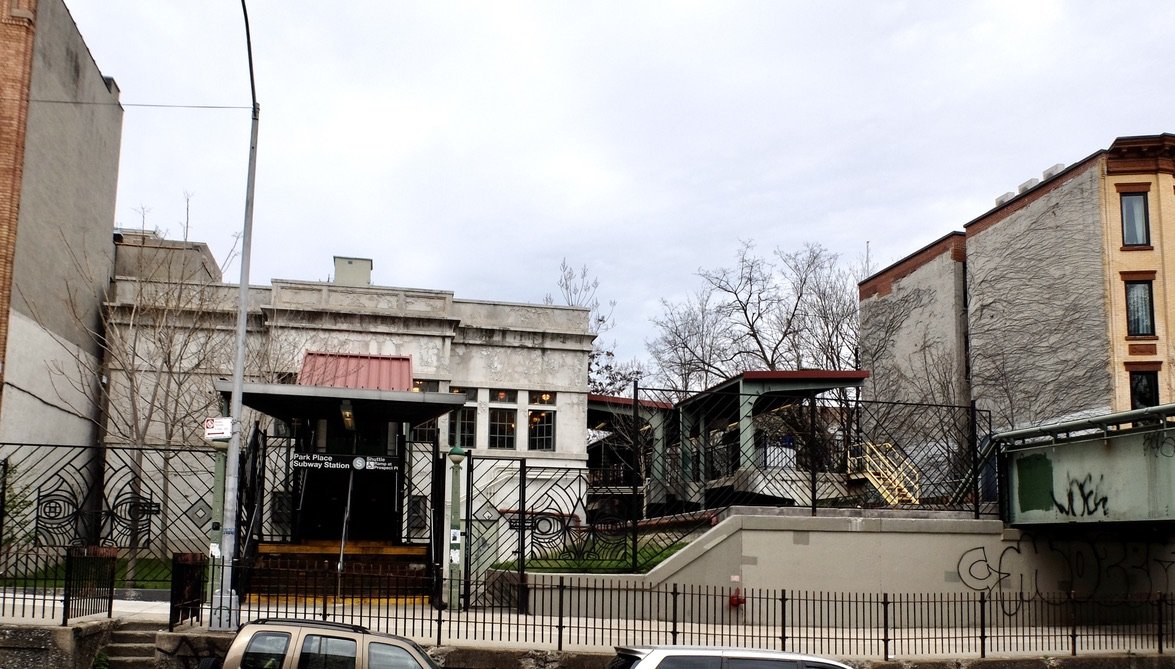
(133,104)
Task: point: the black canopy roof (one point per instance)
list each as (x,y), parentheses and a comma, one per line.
(286,401)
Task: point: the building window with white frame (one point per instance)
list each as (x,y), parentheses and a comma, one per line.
(503,418)
(540,434)
(1136,229)
(463,421)
(540,421)
(1140,309)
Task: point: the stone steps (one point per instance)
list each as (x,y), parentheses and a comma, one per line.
(132,645)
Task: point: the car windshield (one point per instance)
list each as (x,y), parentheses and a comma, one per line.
(426,656)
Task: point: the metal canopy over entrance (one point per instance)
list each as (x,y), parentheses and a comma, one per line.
(288,402)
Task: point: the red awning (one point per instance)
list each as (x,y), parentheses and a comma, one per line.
(359,372)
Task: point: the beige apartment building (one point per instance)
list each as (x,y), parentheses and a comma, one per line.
(1052,305)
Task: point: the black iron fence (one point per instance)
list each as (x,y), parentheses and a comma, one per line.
(89,582)
(661,468)
(57,584)
(189,576)
(146,502)
(562,612)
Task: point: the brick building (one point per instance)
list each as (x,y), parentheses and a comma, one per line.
(1054,304)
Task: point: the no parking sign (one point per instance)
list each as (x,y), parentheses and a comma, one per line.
(218,428)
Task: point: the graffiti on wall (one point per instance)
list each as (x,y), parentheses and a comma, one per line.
(1083,497)
(1038,565)
(1158,445)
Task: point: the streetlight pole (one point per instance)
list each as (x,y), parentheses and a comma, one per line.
(228,540)
(456,456)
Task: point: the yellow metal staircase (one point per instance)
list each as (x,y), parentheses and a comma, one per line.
(889,470)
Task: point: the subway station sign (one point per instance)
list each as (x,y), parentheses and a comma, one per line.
(342,462)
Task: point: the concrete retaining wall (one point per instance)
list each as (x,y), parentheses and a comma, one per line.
(73,647)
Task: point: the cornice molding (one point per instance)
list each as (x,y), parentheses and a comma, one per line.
(1148,154)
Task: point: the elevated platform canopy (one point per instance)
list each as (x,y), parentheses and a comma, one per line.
(769,389)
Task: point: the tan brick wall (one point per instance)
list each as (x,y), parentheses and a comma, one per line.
(16,57)
(1140,263)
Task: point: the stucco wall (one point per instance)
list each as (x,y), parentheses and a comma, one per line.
(841,553)
(913,337)
(41,407)
(64,247)
(1037,312)
(468,344)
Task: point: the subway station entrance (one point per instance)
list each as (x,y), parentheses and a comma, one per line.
(336,482)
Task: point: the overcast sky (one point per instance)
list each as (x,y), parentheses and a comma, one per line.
(472,146)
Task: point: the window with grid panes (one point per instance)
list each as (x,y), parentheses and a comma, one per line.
(502,427)
(424,433)
(463,427)
(540,435)
(503,418)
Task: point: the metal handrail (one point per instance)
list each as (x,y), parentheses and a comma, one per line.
(898,480)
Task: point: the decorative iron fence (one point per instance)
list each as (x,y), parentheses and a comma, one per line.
(659,472)
(570,612)
(661,468)
(146,502)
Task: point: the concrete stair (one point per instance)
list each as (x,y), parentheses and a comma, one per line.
(132,645)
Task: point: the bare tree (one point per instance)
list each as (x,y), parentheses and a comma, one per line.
(164,334)
(691,350)
(788,310)
(606,374)
(830,331)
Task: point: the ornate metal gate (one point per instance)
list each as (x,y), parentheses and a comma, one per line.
(521,516)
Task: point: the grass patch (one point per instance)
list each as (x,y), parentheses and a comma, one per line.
(615,559)
(49,572)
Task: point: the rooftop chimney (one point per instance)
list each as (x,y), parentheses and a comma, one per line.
(1053,171)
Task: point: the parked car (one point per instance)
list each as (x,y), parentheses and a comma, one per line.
(287,644)
(714,657)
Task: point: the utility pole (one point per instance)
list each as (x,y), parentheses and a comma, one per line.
(228,541)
